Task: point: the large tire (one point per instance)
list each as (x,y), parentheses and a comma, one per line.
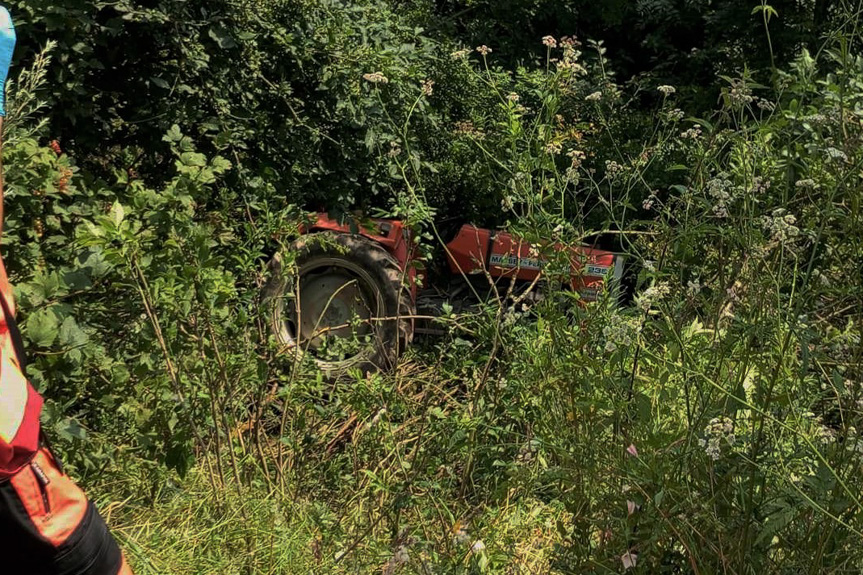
(352,298)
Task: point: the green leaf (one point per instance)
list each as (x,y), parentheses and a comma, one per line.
(42,327)
(70,334)
(69,429)
(174,134)
(117,213)
(222,38)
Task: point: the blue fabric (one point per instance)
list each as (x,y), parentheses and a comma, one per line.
(7,46)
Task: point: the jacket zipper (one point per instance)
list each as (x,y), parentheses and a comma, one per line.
(43,482)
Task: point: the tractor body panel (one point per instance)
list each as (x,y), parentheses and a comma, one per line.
(477,250)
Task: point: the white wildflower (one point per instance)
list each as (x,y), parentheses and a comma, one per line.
(553,148)
(675,115)
(667,90)
(428,87)
(835,154)
(719,431)
(613,169)
(577,157)
(619,331)
(781,226)
(652,295)
(484,50)
(376,78)
(691,134)
(549,41)
(740,93)
(766,105)
(594,97)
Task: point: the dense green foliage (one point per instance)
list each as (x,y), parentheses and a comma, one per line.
(711,425)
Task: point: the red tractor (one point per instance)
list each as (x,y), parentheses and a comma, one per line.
(350,297)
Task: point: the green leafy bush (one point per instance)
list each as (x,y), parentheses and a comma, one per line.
(710,425)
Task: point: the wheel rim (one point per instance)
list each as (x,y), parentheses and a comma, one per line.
(333,317)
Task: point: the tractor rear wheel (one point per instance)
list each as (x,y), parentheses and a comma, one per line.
(342,304)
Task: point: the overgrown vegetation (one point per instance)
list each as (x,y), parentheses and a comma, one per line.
(709,426)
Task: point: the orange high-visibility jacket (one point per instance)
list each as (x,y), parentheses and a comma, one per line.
(47,524)
(20,405)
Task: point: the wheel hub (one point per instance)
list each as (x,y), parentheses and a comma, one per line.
(332,305)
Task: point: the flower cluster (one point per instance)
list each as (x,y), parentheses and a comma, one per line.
(675,115)
(760,185)
(613,169)
(836,155)
(649,201)
(553,148)
(466,128)
(484,50)
(740,93)
(619,331)
(376,78)
(594,96)
(766,105)
(577,157)
(692,133)
(427,87)
(718,431)
(720,190)
(513,97)
(460,54)
(667,90)
(652,295)
(571,55)
(780,225)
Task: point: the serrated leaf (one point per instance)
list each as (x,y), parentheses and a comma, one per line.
(70,334)
(42,327)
